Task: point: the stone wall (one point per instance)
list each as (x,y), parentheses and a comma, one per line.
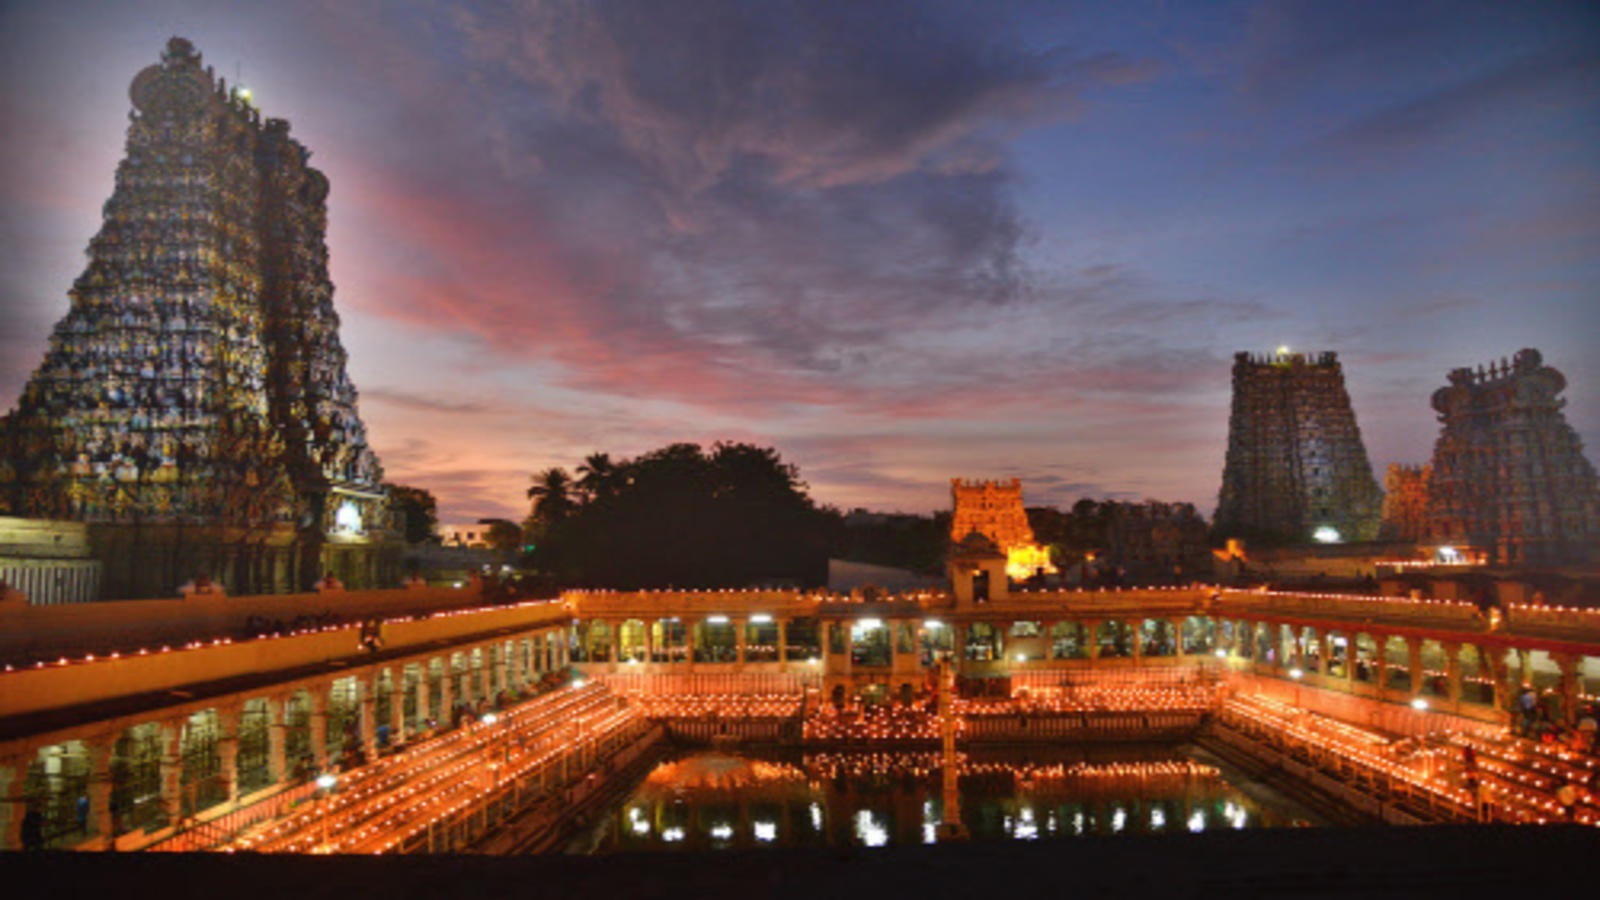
(1405,503)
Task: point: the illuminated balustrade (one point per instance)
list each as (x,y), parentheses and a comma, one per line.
(878,764)
(1516,794)
(430,774)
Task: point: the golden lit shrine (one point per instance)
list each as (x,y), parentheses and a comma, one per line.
(994,509)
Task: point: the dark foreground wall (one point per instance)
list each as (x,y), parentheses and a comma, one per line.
(1454,862)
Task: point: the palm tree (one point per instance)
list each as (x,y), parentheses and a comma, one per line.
(551,493)
(597,476)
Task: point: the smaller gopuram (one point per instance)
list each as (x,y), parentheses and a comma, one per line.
(994,510)
(1296,468)
(1405,503)
(1509,477)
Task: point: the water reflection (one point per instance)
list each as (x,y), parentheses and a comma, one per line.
(713,800)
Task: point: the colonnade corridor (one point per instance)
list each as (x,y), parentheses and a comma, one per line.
(198,773)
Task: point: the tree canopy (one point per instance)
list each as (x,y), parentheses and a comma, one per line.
(680,516)
(419,509)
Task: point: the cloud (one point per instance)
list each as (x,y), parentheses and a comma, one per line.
(407,400)
(736,206)
(1540,80)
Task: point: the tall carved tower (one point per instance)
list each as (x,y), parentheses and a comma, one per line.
(1296,468)
(193,404)
(1509,475)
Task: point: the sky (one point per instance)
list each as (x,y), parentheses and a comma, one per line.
(899,242)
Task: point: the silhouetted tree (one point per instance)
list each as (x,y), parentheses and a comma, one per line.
(681,516)
(419,509)
(551,493)
(502,534)
(598,477)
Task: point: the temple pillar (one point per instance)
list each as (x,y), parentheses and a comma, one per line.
(839,663)
(1324,652)
(1381,663)
(1414,663)
(424,689)
(1571,668)
(650,640)
(1093,627)
(447,695)
(100,824)
(488,672)
(319,725)
(228,748)
(369,719)
(688,642)
(277,766)
(1351,654)
(906,661)
(1498,674)
(13,796)
(783,645)
(739,637)
(171,768)
(1452,673)
(1177,638)
(397,705)
(1136,632)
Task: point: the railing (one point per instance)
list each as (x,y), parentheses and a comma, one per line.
(1452,614)
(212,830)
(528,793)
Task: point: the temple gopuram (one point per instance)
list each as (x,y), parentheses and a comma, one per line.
(1296,468)
(1509,478)
(1405,503)
(193,406)
(994,509)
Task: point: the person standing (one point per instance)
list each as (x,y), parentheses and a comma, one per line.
(1526,701)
